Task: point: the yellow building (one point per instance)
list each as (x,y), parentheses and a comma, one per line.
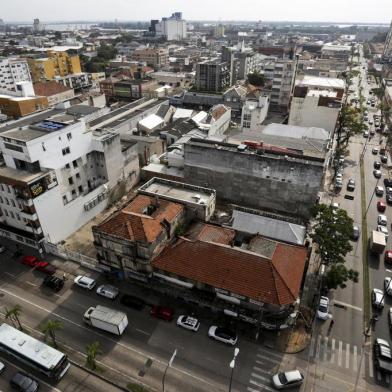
(56,64)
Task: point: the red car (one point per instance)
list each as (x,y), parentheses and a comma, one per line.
(162,312)
(381,207)
(388,256)
(39,265)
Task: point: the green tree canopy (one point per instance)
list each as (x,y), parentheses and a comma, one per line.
(337,275)
(256,78)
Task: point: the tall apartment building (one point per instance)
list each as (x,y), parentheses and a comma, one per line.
(154,57)
(12,71)
(387,53)
(316,102)
(56,64)
(241,61)
(56,176)
(173,28)
(212,75)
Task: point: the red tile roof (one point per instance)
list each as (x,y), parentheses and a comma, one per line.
(50,88)
(276,281)
(132,223)
(210,233)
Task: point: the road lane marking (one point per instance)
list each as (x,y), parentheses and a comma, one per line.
(9,273)
(355,363)
(347,355)
(269,359)
(259,377)
(264,387)
(347,305)
(312,341)
(325,350)
(257,369)
(370,365)
(31,284)
(340,353)
(123,345)
(143,332)
(333,351)
(317,354)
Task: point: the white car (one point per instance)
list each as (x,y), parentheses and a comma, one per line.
(388,285)
(188,322)
(379,190)
(382,220)
(377,173)
(322,311)
(335,206)
(377,298)
(108,291)
(375,150)
(383,230)
(85,282)
(290,379)
(222,334)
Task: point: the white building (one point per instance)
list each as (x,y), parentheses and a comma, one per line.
(173,28)
(334,50)
(57,175)
(12,71)
(254,112)
(316,102)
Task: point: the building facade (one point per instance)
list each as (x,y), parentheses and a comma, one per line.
(173,28)
(12,71)
(212,75)
(154,57)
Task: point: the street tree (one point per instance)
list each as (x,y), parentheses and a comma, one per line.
(92,350)
(50,328)
(256,78)
(337,275)
(13,314)
(332,232)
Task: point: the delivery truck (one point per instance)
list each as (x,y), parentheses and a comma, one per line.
(377,242)
(106,319)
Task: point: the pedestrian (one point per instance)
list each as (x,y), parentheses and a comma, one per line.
(64,276)
(331,323)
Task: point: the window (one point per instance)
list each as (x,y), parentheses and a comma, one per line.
(246,124)
(6,212)
(247,117)
(69,136)
(66,150)
(1,199)
(70,180)
(13,203)
(12,215)
(80,188)
(6,200)
(17,217)
(65,201)
(77,175)
(73,193)
(67,166)
(75,164)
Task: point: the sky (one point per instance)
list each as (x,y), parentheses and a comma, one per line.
(362,11)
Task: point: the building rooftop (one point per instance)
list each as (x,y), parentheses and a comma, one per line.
(19,176)
(50,88)
(295,131)
(276,280)
(319,81)
(177,191)
(210,233)
(150,122)
(322,93)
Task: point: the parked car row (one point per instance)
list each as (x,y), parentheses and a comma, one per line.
(21,381)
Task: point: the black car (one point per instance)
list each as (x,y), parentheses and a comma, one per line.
(22,382)
(377,164)
(388,182)
(132,302)
(388,198)
(384,159)
(53,282)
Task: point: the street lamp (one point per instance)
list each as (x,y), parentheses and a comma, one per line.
(232,365)
(167,367)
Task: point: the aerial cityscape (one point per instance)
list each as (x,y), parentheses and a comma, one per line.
(195,196)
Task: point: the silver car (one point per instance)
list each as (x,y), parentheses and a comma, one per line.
(108,291)
(289,379)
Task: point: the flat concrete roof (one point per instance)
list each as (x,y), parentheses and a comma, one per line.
(24,135)
(19,175)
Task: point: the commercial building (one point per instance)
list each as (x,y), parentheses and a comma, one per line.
(173,28)
(56,64)
(316,102)
(134,89)
(154,57)
(12,71)
(57,176)
(387,53)
(338,51)
(55,92)
(212,75)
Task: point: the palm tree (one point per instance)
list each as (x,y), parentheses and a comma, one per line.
(50,327)
(92,351)
(14,314)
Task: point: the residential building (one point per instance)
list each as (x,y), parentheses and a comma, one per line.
(212,75)
(269,177)
(219,31)
(333,50)
(37,26)
(55,92)
(57,176)
(153,56)
(128,240)
(241,60)
(13,71)
(56,64)
(173,28)
(387,53)
(76,81)
(254,111)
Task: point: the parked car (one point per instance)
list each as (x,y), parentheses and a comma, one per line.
(388,256)
(366,134)
(388,285)
(322,311)
(188,322)
(223,334)
(377,165)
(379,190)
(351,185)
(381,207)
(388,182)
(108,291)
(382,220)
(384,158)
(382,356)
(39,265)
(283,380)
(375,150)
(377,298)
(356,232)
(335,206)
(132,302)
(162,312)
(24,383)
(383,230)
(377,173)
(53,282)
(388,198)
(85,282)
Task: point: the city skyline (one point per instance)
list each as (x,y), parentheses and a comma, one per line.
(334,11)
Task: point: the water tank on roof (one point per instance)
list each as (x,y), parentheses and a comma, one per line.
(242,147)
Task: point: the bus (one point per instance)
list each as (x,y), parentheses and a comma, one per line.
(33,352)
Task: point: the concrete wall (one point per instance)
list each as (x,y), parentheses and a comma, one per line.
(264,182)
